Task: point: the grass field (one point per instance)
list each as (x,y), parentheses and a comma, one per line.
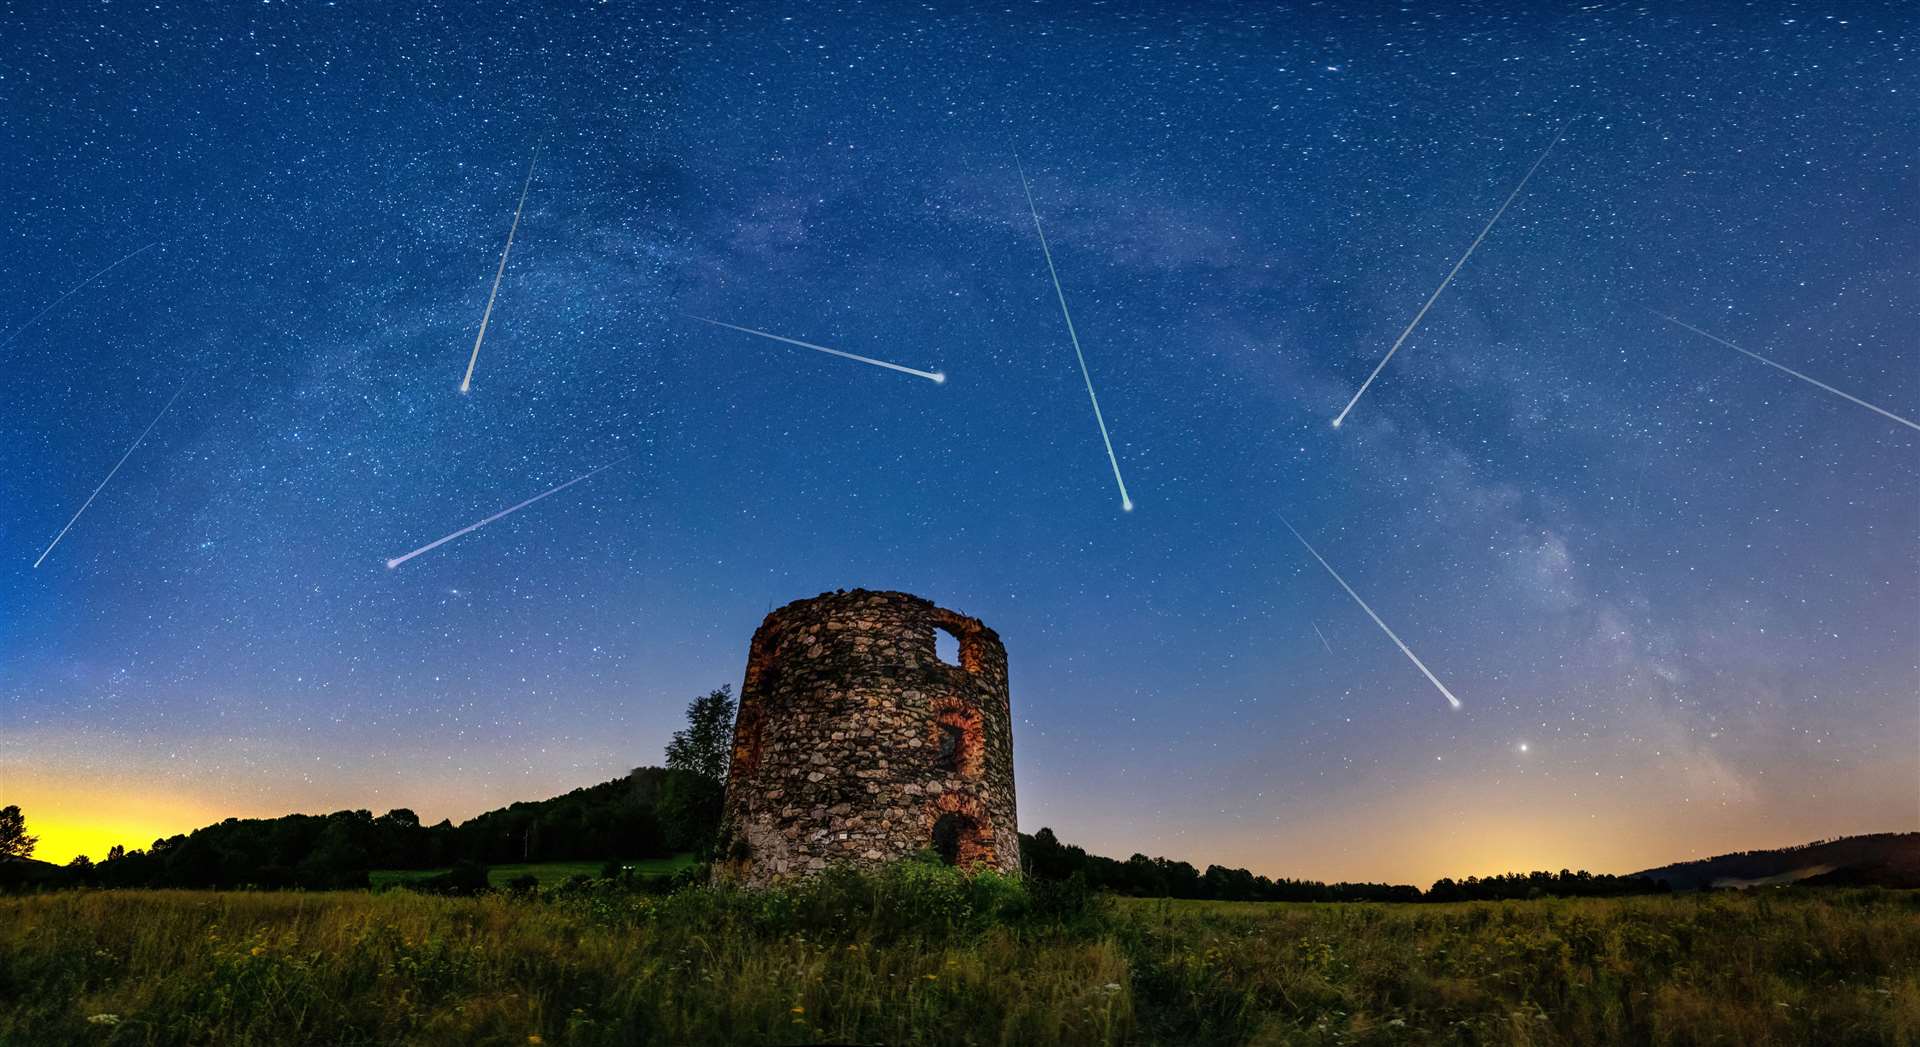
(921,959)
(550,874)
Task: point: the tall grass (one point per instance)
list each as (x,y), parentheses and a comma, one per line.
(924,957)
(1789,968)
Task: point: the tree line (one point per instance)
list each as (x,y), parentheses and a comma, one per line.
(651,812)
(1044,857)
(655,812)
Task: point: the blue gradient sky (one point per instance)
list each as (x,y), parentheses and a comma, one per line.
(1685,582)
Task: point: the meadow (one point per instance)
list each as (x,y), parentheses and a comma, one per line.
(919,955)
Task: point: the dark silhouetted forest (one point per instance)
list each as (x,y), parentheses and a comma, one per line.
(1043,856)
(652,812)
(640,815)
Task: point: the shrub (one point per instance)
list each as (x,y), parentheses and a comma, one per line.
(1068,902)
(466,878)
(526,885)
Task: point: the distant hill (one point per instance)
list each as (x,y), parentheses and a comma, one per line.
(20,872)
(652,812)
(1877,859)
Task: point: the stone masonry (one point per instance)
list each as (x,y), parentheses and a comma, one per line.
(857,744)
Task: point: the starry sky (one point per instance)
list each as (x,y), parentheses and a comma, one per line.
(1675,590)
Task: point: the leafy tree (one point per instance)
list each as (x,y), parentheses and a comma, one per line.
(705,747)
(400,818)
(82,870)
(337,858)
(693,790)
(689,811)
(116,852)
(14,841)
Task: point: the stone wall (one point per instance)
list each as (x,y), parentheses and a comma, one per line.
(856,744)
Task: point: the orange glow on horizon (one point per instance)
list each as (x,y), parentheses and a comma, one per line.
(72,821)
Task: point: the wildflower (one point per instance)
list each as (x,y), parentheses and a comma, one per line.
(1398,1023)
(534,1037)
(931,977)
(103,1019)
(255,951)
(799,1010)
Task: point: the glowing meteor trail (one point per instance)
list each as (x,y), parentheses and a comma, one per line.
(467,382)
(936,377)
(1381,366)
(1322,636)
(470,528)
(1789,370)
(1126,503)
(75,289)
(110,472)
(1404,649)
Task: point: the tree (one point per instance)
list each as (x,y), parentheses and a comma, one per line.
(689,811)
(14,841)
(692,792)
(705,747)
(116,852)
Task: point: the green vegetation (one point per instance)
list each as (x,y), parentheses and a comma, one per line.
(1044,857)
(550,874)
(647,816)
(921,954)
(14,841)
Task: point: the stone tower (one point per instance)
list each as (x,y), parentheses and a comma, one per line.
(856,743)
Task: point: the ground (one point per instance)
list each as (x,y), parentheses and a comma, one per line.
(953,965)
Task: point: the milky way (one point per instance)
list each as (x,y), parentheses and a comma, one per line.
(1686,580)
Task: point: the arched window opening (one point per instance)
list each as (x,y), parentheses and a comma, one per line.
(946,645)
(953,740)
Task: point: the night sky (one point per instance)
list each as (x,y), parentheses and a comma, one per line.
(1675,589)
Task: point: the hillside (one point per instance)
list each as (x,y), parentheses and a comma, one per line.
(22,872)
(651,813)
(1879,859)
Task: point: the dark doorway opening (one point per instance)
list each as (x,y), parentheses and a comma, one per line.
(946,836)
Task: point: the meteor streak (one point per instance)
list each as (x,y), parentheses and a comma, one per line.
(467,382)
(398,560)
(1404,649)
(110,472)
(1789,370)
(1455,271)
(1322,636)
(1126,503)
(75,289)
(936,377)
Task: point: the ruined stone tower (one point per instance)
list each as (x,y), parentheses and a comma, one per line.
(857,743)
